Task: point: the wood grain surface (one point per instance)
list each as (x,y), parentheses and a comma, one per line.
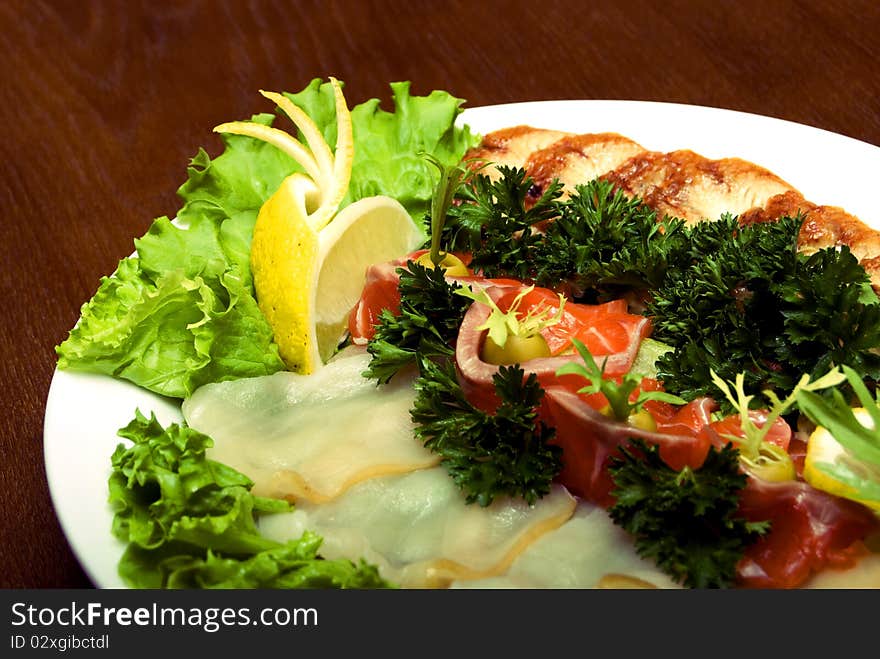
(102,104)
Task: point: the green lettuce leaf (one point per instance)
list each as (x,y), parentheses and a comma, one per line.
(183,314)
(294,565)
(173,334)
(190,522)
(164,489)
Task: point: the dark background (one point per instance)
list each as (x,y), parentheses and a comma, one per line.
(103,103)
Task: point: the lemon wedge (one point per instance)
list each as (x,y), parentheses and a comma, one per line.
(823,448)
(308,258)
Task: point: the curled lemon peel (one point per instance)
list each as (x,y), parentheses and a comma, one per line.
(320,150)
(281,140)
(344,155)
(308,257)
(330,171)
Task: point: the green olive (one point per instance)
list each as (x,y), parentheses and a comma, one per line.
(516,350)
(643,420)
(772,464)
(453,265)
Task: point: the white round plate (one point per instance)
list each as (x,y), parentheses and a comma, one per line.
(83,412)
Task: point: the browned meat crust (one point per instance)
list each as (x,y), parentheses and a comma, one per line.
(511,146)
(824,226)
(687,185)
(576,159)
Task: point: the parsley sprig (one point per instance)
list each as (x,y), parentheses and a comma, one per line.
(750,303)
(685,521)
(429,318)
(487,455)
(491,212)
(603,241)
(598,241)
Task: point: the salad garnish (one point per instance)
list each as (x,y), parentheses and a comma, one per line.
(513,338)
(760,457)
(428,319)
(183,313)
(843,454)
(748,302)
(597,241)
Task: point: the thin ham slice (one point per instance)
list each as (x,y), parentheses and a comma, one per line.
(810,531)
(380,292)
(589,439)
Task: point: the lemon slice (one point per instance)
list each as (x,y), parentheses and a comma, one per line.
(823,448)
(308,260)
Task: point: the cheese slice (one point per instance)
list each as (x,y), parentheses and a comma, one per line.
(588,551)
(310,438)
(420,532)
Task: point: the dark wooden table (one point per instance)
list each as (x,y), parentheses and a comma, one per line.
(102,104)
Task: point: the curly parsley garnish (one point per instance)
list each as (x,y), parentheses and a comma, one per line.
(429,318)
(729,298)
(598,241)
(491,212)
(750,303)
(487,455)
(685,521)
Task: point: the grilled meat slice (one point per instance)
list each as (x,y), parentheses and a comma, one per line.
(687,185)
(511,147)
(577,159)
